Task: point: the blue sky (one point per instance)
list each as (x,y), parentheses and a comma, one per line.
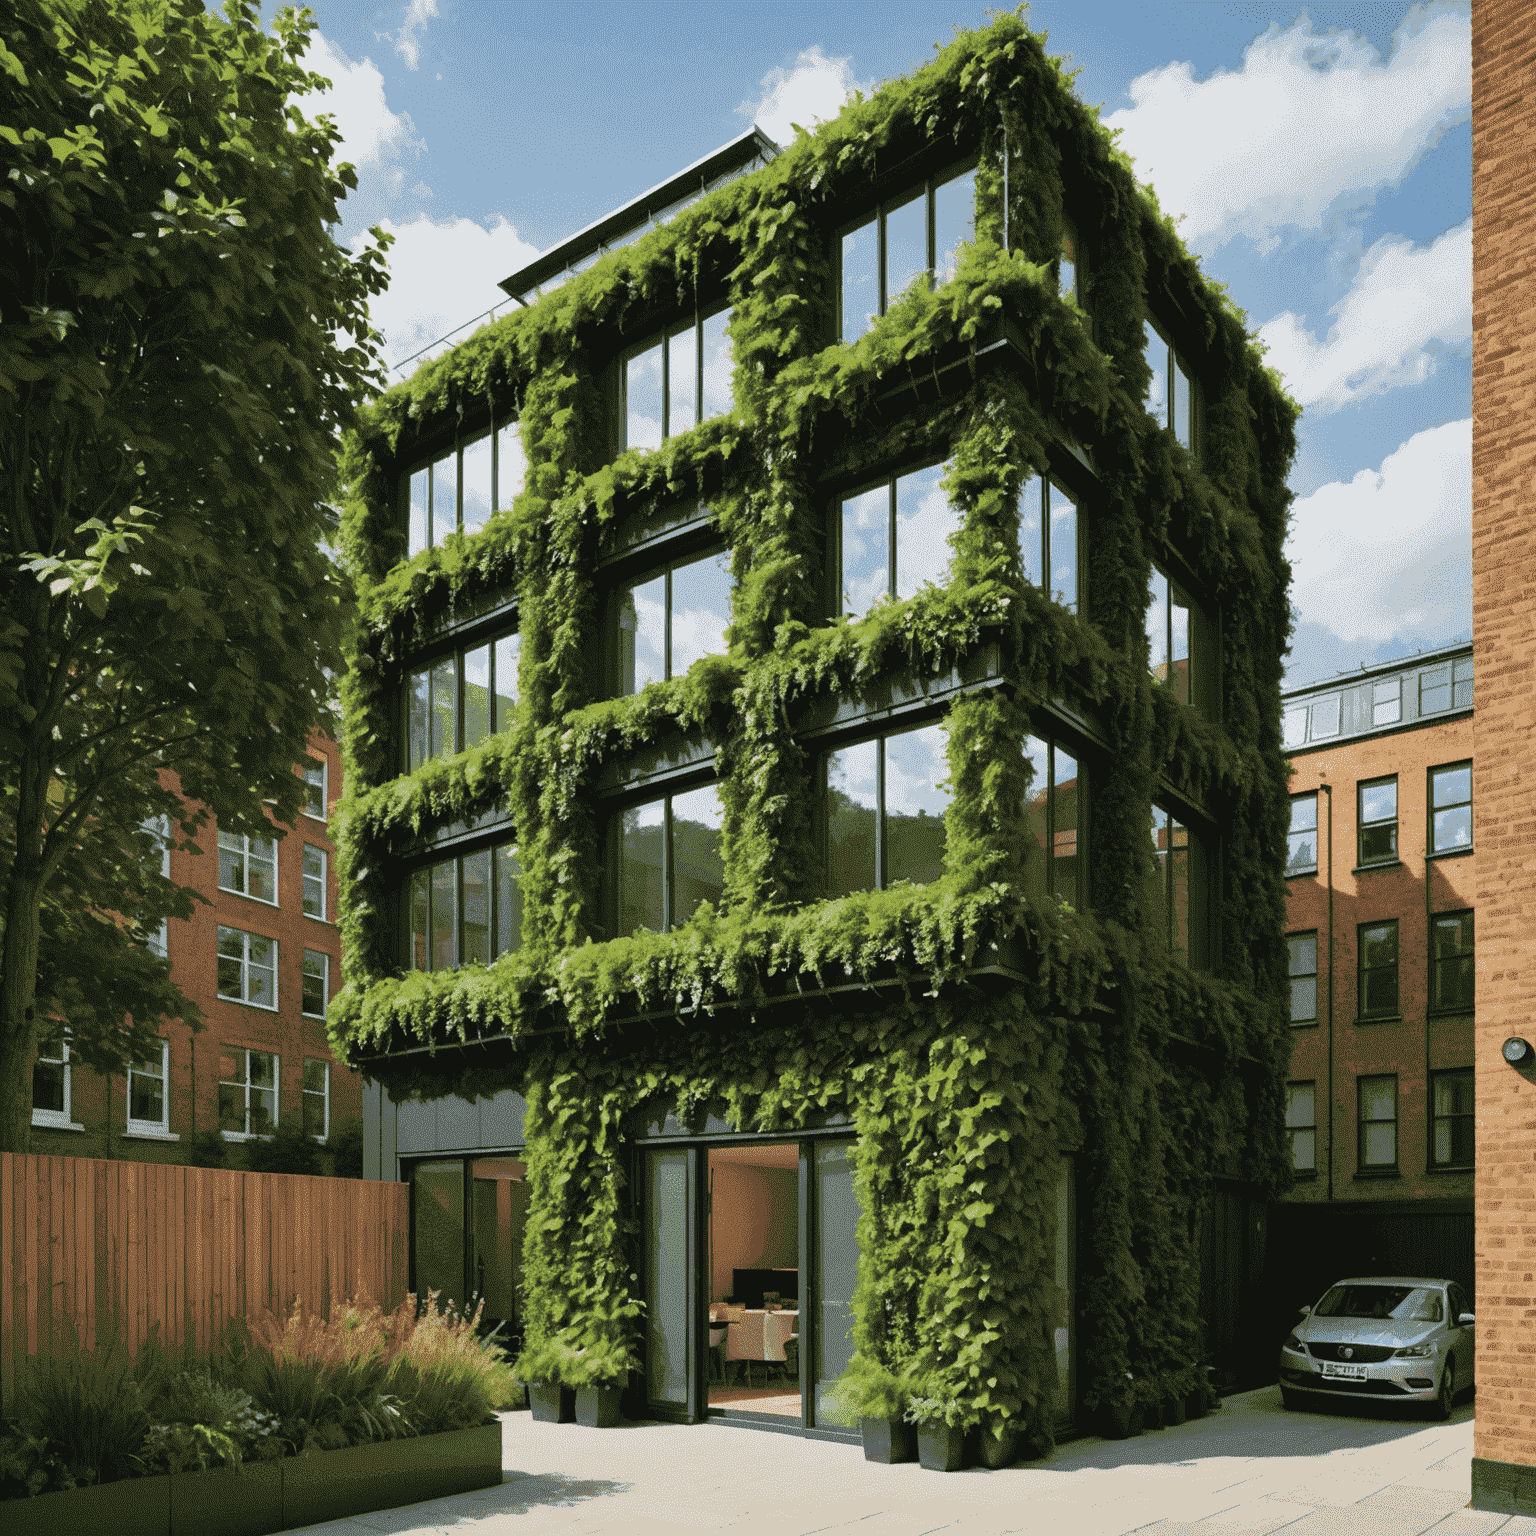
(1321,158)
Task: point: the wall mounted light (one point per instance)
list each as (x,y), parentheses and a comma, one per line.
(1517,1052)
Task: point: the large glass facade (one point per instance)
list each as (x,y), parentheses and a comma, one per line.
(463,911)
(675,382)
(458,700)
(661,623)
(666,860)
(1050,531)
(894,539)
(458,491)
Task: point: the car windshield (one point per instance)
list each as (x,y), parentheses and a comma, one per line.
(1400,1303)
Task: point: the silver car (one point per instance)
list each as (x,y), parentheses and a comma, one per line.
(1388,1338)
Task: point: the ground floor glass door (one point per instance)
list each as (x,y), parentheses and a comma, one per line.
(834,1221)
(668,1282)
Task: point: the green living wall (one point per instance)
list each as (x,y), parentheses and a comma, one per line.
(963,1095)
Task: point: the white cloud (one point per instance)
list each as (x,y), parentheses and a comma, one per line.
(372,136)
(815,88)
(1310,118)
(1405,299)
(1388,555)
(418,13)
(442,275)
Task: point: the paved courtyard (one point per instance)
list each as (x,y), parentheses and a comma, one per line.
(1247,1470)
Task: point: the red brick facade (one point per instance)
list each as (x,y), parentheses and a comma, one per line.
(1422,1036)
(1504,627)
(98,1107)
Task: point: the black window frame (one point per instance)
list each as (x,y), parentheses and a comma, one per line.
(1431,806)
(1051,482)
(612,882)
(1195,680)
(1301,1021)
(1293,870)
(1362,1122)
(1051,883)
(457,857)
(925,187)
(687,553)
(1461,1075)
(823,816)
(1462,962)
(1310,1171)
(1455,678)
(428,464)
(1363,827)
(1177,358)
(1200,844)
(1363,972)
(662,336)
(426,662)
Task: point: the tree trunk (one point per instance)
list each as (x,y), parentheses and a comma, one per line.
(18,1011)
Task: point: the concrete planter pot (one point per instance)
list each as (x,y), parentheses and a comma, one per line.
(888,1441)
(598,1407)
(941,1447)
(267,1496)
(551,1402)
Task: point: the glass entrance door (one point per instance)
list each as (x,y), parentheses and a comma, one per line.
(835,1252)
(669,1265)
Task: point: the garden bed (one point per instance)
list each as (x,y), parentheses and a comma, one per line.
(261,1497)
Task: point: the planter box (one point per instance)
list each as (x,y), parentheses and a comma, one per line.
(888,1441)
(940,1447)
(598,1407)
(552,1403)
(137,1506)
(268,1496)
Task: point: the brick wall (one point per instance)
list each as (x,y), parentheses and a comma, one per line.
(99,1106)
(1420,1040)
(1504,784)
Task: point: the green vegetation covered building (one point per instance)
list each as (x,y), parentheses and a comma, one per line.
(815,810)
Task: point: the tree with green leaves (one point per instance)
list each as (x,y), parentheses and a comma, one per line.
(181,339)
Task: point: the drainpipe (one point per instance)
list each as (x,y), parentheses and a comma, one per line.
(1327,789)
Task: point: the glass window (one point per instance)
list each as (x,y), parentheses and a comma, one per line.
(1293,729)
(477,485)
(315,803)
(247,1091)
(1325,716)
(1169,637)
(459,491)
(1451,1132)
(1170,394)
(1450,807)
(463,911)
(667,860)
(1378,1122)
(660,624)
(1173,914)
(894,539)
(1378,821)
(884,807)
(511,464)
(1301,1125)
(1049,540)
(50,1083)
(1446,687)
(1387,702)
(1303,969)
(1053,815)
(1301,845)
(247,968)
(1378,969)
(158,940)
(248,866)
(672,384)
(148,1100)
(317,983)
(907,241)
(314,881)
(458,700)
(1451,962)
(317,1098)
(1066,267)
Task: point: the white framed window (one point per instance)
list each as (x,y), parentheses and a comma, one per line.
(248,866)
(159,827)
(316,788)
(247,1092)
(317,1098)
(314,881)
(247,968)
(149,1097)
(51,1086)
(317,983)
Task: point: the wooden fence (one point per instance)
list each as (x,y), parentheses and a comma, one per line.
(102,1250)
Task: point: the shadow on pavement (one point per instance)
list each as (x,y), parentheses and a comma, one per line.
(1255,1424)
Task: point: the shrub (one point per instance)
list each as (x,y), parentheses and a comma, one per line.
(286,1150)
(87,1408)
(200,1420)
(447,1375)
(207,1149)
(347,1151)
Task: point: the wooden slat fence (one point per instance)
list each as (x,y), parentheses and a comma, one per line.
(98,1249)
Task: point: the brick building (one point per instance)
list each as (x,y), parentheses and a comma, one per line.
(1381,899)
(1503,576)
(260,957)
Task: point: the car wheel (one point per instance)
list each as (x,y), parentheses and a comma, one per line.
(1445,1399)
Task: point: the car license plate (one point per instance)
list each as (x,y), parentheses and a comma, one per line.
(1348,1372)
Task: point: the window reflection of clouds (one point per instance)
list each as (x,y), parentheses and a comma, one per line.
(861,280)
(925,522)
(866,551)
(852,772)
(643,407)
(914,766)
(682,381)
(717,366)
(701,610)
(477,483)
(954,221)
(906,246)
